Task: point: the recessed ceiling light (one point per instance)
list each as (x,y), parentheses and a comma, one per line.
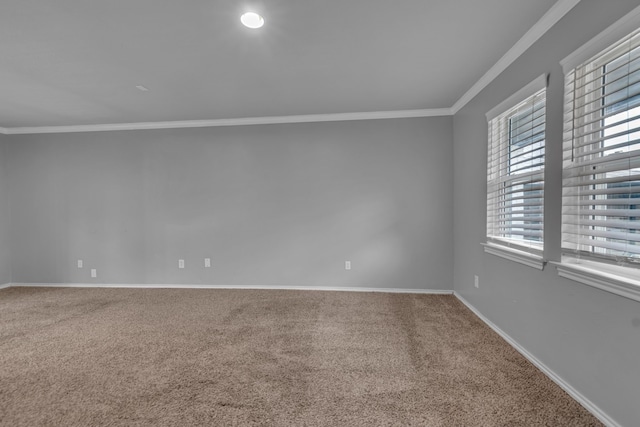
(252,20)
(142,88)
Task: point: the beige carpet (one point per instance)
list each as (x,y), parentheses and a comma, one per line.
(85,357)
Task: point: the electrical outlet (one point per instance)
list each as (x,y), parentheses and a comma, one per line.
(94,273)
(180,263)
(207,263)
(476,282)
(347,265)
(80,263)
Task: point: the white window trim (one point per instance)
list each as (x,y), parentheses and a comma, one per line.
(611,278)
(506,251)
(522,257)
(620,29)
(619,280)
(535,86)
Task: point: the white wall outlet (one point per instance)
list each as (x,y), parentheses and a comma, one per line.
(80,263)
(94,273)
(207,263)
(180,263)
(476,281)
(347,265)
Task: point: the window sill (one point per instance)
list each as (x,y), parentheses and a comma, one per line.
(516,255)
(607,281)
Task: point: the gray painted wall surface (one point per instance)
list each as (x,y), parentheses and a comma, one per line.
(589,337)
(5,259)
(270,205)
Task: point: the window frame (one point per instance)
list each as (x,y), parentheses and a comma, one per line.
(524,251)
(596,54)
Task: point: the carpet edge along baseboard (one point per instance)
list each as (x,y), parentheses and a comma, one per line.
(253,287)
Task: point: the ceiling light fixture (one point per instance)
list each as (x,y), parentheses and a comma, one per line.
(252,20)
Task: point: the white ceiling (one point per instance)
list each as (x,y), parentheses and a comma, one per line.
(77,62)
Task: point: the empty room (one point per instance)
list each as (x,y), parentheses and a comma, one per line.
(308,213)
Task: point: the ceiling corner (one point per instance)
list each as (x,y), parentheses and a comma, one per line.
(544,24)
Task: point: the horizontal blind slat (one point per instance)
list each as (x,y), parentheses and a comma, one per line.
(610,223)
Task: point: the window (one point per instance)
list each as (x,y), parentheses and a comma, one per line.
(601,162)
(515,170)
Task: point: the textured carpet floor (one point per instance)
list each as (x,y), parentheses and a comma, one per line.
(84,357)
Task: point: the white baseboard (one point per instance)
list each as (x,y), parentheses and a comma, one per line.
(6,285)
(586,403)
(255,287)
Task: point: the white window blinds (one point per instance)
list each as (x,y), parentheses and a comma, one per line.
(515,169)
(601,161)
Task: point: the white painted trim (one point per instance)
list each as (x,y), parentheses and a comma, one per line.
(254,287)
(581,399)
(5,286)
(535,86)
(548,20)
(614,33)
(522,257)
(247,121)
(604,280)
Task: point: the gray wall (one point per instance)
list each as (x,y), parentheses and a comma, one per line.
(589,337)
(271,205)
(5,260)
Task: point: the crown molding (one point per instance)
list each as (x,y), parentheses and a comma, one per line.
(548,20)
(248,121)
